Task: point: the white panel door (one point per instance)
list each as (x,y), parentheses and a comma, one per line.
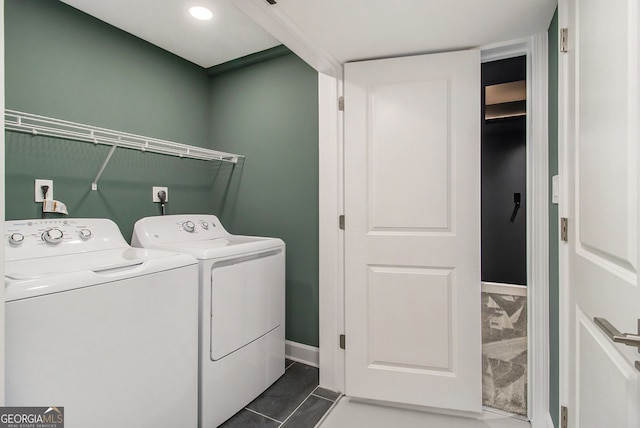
(412,238)
(602,181)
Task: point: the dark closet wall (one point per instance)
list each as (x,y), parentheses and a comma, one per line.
(504,173)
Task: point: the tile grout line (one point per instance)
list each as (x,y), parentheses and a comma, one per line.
(264,416)
(299,405)
(320,396)
(324,398)
(329,410)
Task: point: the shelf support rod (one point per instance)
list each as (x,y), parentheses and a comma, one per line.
(94,184)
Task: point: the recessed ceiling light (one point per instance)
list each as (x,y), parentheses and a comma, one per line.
(200,12)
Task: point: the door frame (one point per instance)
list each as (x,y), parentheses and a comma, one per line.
(536,50)
(563,211)
(331,198)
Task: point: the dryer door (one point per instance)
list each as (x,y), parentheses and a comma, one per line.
(247,300)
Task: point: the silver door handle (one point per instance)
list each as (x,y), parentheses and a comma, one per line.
(615,335)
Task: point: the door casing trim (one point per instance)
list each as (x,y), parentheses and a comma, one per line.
(536,49)
(331,169)
(563,210)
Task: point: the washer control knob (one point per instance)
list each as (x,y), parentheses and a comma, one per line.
(84,234)
(189,226)
(52,236)
(205,225)
(16,238)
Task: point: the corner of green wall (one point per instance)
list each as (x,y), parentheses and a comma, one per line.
(63,63)
(248,60)
(268,111)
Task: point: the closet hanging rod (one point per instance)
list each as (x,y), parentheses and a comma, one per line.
(47,126)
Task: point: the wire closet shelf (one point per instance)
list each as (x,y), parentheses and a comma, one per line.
(46,126)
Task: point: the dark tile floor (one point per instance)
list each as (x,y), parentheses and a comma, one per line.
(293,401)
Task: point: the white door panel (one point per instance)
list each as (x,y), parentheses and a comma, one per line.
(602,368)
(412,192)
(398,130)
(602,162)
(395,340)
(606,127)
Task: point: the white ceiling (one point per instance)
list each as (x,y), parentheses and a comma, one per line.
(230,34)
(365,29)
(348,30)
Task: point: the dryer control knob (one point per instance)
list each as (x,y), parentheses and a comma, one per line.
(52,236)
(205,225)
(84,234)
(189,226)
(16,238)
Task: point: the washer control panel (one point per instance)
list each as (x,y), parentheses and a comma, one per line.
(40,238)
(177,228)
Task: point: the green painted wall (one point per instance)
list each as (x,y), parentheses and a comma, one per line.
(268,111)
(65,64)
(554,277)
(62,63)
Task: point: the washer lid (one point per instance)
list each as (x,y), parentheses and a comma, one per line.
(34,277)
(231,245)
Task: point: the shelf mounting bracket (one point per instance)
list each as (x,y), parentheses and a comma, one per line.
(94,184)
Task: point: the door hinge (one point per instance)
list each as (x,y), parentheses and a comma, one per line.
(564,229)
(564,40)
(341,222)
(341,103)
(564,417)
(342,341)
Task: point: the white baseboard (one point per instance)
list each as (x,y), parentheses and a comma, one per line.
(302,353)
(508,289)
(544,421)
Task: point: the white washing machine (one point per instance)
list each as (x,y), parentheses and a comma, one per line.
(242,295)
(106,331)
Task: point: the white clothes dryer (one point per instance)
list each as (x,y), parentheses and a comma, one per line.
(106,331)
(242,295)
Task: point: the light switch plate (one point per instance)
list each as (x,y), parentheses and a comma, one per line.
(38,189)
(156,189)
(555,189)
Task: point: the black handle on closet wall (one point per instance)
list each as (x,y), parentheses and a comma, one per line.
(516,206)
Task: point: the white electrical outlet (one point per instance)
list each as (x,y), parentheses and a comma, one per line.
(156,189)
(39,196)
